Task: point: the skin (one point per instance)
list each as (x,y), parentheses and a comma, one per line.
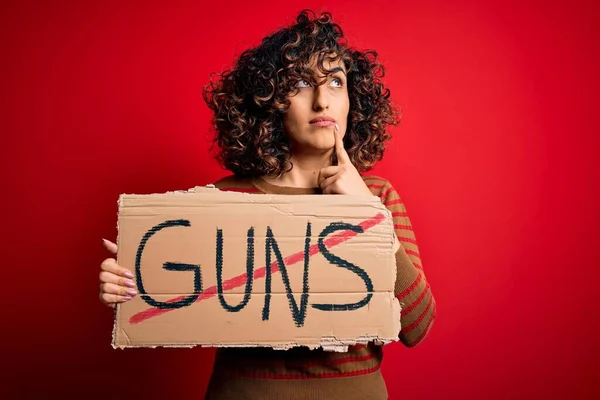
(312,151)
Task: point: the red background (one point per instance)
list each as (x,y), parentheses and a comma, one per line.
(494,160)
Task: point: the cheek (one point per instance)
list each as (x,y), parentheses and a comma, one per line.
(290,123)
(288,120)
(345,112)
(343,103)
(292,116)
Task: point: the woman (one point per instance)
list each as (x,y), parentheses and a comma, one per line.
(303,113)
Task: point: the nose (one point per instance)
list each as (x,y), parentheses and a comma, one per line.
(321,98)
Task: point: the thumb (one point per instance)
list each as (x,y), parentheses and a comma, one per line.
(110,246)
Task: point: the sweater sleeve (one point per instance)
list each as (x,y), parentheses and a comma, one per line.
(412,289)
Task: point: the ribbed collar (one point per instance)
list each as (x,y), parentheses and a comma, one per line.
(269,188)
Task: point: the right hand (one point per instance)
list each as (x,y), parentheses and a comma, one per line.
(116,282)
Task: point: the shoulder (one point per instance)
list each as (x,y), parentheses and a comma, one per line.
(379,186)
(387,193)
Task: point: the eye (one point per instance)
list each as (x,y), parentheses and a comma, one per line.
(337,82)
(303,84)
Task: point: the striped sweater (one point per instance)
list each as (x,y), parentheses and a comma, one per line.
(300,373)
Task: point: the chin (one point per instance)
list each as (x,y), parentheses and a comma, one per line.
(313,142)
(318,145)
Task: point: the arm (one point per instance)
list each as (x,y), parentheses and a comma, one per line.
(412,289)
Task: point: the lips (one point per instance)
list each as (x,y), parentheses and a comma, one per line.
(322,121)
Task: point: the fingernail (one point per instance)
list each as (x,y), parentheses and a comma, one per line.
(129,275)
(337,127)
(132,292)
(126,298)
(129,283)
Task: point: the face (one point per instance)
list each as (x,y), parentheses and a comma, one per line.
(316,108)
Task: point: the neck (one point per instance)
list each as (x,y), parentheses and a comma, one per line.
(305,171)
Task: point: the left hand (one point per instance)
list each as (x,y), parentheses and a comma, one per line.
(344,177)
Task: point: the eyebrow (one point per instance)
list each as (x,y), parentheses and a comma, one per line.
(309,71)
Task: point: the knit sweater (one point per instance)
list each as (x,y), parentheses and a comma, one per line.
(300,373)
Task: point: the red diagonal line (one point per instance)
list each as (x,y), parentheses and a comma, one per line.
(240,280)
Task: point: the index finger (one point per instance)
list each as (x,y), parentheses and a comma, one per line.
(340,151)
(110,265)
(110,246)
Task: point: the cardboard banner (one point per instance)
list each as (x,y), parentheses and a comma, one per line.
(216,268)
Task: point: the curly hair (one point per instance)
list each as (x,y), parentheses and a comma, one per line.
(249,100)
